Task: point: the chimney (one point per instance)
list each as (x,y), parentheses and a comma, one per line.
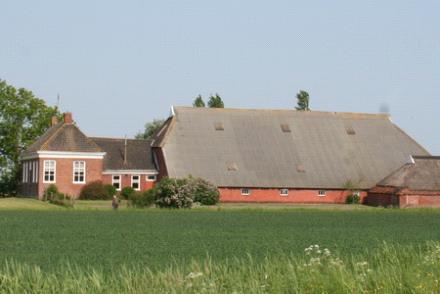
(54,120)
(68,118)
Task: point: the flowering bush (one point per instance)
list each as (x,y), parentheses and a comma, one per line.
(173,193)
(204,192)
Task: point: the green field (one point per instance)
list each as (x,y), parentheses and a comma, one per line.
(165,241)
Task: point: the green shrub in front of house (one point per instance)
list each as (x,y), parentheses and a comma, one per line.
(95,191)
(52,195)
(143,199)
(353,199)
(127,192)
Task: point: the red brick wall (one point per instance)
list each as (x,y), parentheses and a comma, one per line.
(126,181)
(64,175)
(420,200)
(295,196)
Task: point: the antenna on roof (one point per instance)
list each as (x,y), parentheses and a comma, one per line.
(58,101)
(125,150)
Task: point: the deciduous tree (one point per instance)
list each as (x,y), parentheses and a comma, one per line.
(23,118)
(198,102)
(150,129)
(215,101)
(303,101)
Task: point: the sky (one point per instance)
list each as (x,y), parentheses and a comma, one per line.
(119,64)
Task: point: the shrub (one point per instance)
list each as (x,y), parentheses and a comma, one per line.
(353,199)
(110,189)
(174,193)
(204,192)
(52,195)
(94,191)
(127,193)
(144,199)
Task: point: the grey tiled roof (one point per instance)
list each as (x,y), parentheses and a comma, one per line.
(63,137)
(138,154)
(423,174)
(284,148)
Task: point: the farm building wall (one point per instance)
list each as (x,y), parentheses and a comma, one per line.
(404,199)
(64,175)
(414,200)
(294,196)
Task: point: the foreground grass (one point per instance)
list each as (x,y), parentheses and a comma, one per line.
(389,269)
(26,204)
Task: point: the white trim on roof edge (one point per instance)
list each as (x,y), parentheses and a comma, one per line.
(65,154)
(130,172)
(172,111)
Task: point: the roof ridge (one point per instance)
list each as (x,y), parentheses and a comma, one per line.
(378,115)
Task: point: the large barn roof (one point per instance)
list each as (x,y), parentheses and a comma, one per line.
(421,175)
(283,148)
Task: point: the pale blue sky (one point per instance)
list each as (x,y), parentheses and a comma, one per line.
(119,64)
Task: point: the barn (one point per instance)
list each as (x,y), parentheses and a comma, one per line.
(415,184)
(260,155)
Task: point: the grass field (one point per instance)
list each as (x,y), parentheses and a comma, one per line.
(174,243)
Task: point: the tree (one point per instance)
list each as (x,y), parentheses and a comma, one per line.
(150,129)
(303,101)
(198,102)
(215,101)
(23,118)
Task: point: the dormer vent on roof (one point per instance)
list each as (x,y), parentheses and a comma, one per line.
(218,126)
(285,128)
(350,131)
(232,166)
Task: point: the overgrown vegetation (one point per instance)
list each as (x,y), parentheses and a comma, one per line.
(389,269)
(353,190)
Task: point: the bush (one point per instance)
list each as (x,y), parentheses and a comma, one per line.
(52,195)
(173,193)
(204,192)
(353,199)
(110,189)
(144,199)
(95,191)
(127,193)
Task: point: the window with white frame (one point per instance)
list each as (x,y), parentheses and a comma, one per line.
(284,192)
(116,182)
(25,172)
(322,193)
(135,182)
(151,178)
(35,173)
(245,191)
(49,170)
(79,172)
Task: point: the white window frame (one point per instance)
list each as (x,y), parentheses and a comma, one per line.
(54,171)
(36,171)
(284,192)
(119,182)
(138,182)
(25,171)
(322,193)
(78,169)
(150,180)
(246,191)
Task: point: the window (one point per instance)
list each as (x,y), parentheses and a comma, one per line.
(135,182)
(36,172)
(321,193)
(116,182)
(245,191)
(25,171)
(284,192)
(79,172)
(49,170)
(151,178)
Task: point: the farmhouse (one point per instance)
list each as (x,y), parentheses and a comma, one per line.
(252,155)
(416,183)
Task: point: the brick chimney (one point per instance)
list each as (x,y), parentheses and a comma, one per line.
(68,118)
(54,120)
